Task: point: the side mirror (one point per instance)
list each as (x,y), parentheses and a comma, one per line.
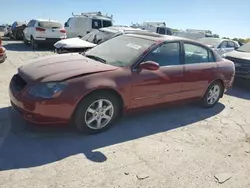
(65,24)
(149,65)
(236,47)
(79,36)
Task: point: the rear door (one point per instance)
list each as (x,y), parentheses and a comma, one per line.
(50,29)
(230,46)
(199,69)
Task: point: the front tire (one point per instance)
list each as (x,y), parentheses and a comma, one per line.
(212,95)
(97,112)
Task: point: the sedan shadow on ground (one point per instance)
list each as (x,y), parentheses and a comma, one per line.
(21,47)
(25,149)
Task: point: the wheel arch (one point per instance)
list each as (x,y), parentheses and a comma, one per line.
(217,80)
(112,91)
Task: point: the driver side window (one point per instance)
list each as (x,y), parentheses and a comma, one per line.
(165,55)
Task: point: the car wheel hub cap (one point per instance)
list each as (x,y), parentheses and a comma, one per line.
(99,114)
(213,94)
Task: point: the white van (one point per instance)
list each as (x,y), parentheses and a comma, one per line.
(156,27)
(80,25)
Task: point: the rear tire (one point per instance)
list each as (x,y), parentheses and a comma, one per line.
(97,112)
(34,45)
(212,95)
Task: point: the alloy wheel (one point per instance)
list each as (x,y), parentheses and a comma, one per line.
(99,114)
(213,94)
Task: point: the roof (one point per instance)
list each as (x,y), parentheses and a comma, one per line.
(115,29)
(44,20)
(155,36)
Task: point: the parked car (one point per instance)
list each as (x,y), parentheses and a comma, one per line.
(241,59)
(17,30)
(7,31)
(189,35)
(91,90)
(95,37)
(80,25)
(2,29)
(39,31)
(221,46)
(3,55)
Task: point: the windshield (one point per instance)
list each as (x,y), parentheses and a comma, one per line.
(120,51)
(210,41)
(103,35)
(244,48)
(87,36)
(49,25)
(97,36)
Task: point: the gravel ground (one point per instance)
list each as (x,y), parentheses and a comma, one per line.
(177,147)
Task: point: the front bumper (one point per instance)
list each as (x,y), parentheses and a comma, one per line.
(38,111)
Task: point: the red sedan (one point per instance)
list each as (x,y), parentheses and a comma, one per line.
(131,71)
(3,55)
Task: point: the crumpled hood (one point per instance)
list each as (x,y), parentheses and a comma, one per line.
(74,43)
(60,67)
(238,54)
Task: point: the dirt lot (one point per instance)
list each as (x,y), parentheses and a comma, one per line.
(180,147)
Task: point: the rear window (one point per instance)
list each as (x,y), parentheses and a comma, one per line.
(49,25)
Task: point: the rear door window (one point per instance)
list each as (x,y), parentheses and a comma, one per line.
(49,25)
(96,24)
(195,54)
(230,44)
(106,23)
(161,30)
(166,55)
(223,44)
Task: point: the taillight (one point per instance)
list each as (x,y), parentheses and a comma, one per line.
(40,29)
(2,50)
(62,30)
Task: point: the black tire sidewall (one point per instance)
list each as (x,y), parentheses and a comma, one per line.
(204,99)
(33,44)
(79,115)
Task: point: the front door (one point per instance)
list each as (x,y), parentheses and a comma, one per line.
(160,86)
(199,70)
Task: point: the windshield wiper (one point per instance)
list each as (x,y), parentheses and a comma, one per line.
(96,58)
